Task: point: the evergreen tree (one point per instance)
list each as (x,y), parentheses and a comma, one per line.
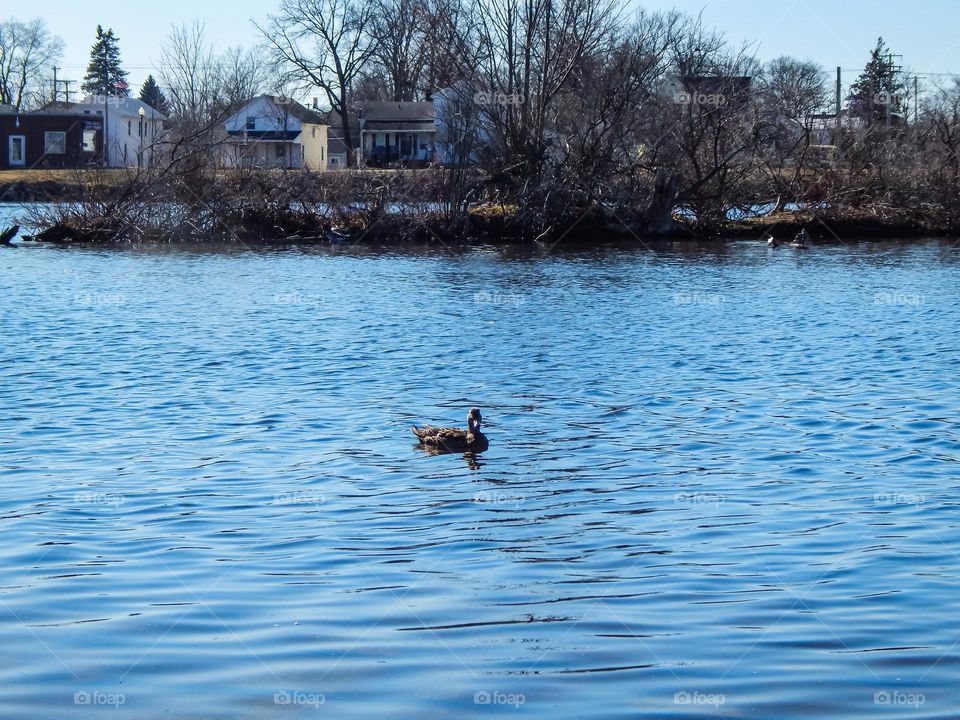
(153,96)
(105,75)
(878,93)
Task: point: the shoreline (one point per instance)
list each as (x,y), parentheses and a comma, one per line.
(255,220)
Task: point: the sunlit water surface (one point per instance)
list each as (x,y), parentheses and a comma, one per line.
(722,482)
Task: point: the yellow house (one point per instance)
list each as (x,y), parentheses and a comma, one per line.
(313,139)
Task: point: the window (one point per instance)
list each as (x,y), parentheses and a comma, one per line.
(55,143)
(334,161)
(251,122)
(129,127)
(89,141)
(281,151)
(17,150)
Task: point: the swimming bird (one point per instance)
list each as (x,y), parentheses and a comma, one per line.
(772,241)
(454,439)
(801,240)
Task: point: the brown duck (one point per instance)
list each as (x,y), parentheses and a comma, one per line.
(454,439)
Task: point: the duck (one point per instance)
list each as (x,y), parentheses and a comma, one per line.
(801,240)
(772,241)
(454,439)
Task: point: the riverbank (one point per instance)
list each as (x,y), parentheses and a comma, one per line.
(389,207)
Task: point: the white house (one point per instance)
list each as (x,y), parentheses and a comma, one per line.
(132,130)
(397,133)
(275,132)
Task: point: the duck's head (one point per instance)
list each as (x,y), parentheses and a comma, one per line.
(473,420)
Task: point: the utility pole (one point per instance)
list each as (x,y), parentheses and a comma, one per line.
(894,71)
(56,86)
(839,86)
(916,101)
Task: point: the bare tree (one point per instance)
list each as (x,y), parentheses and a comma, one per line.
(794,88)
(243,75)
(529,51)
(600,118)
(398,31)
(27,49)
(190,72)
(323,43)
(703,127)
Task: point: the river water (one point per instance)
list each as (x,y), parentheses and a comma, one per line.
(722,482)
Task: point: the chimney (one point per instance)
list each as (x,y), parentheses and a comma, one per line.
(316,104)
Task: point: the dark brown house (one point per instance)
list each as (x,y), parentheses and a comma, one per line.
(44,140)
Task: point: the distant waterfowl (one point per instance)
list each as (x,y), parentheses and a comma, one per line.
(801,240)
(454,439)
(772,241)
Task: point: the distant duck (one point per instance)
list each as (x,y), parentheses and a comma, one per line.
(454,439)
(801,240)
(772,241)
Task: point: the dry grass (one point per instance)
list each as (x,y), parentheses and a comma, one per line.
(67,176)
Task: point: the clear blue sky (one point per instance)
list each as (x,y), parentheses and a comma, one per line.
(832,32)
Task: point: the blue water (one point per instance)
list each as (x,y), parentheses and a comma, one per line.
(722,482)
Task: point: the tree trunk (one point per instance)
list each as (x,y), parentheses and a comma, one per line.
(660,210)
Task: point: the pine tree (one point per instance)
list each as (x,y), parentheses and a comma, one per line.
(153,96)
(877,94)
(105,75)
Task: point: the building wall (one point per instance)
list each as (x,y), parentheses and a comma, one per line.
(33,128)
(314,141)
(125,143)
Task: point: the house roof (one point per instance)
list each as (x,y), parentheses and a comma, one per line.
(120,105)
(380,111)
(295,109)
